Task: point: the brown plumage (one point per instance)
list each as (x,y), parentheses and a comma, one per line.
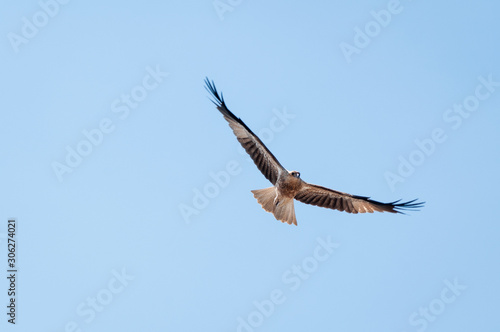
(288,186)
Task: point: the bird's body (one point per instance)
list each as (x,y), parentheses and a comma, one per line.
(287,185)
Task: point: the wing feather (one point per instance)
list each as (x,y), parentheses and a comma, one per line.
(331,199)
(265,161)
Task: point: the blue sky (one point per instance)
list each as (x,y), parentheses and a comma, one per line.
(132,197)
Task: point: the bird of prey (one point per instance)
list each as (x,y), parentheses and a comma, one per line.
(287,185)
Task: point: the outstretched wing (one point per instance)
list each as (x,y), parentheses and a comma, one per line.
(327,198)
(260,154)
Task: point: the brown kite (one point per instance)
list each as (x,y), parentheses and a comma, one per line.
(288,186)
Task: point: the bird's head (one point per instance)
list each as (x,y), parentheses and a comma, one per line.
(295,174)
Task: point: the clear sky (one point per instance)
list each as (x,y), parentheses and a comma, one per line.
(132,196)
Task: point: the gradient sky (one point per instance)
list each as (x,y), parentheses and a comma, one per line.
(132,196)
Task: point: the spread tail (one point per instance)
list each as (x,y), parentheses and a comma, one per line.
(281,207)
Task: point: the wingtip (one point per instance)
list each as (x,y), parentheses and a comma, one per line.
(413,205)
(211,88)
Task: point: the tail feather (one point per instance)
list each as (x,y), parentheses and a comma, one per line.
(282,208)
(266,197)
(285,211)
